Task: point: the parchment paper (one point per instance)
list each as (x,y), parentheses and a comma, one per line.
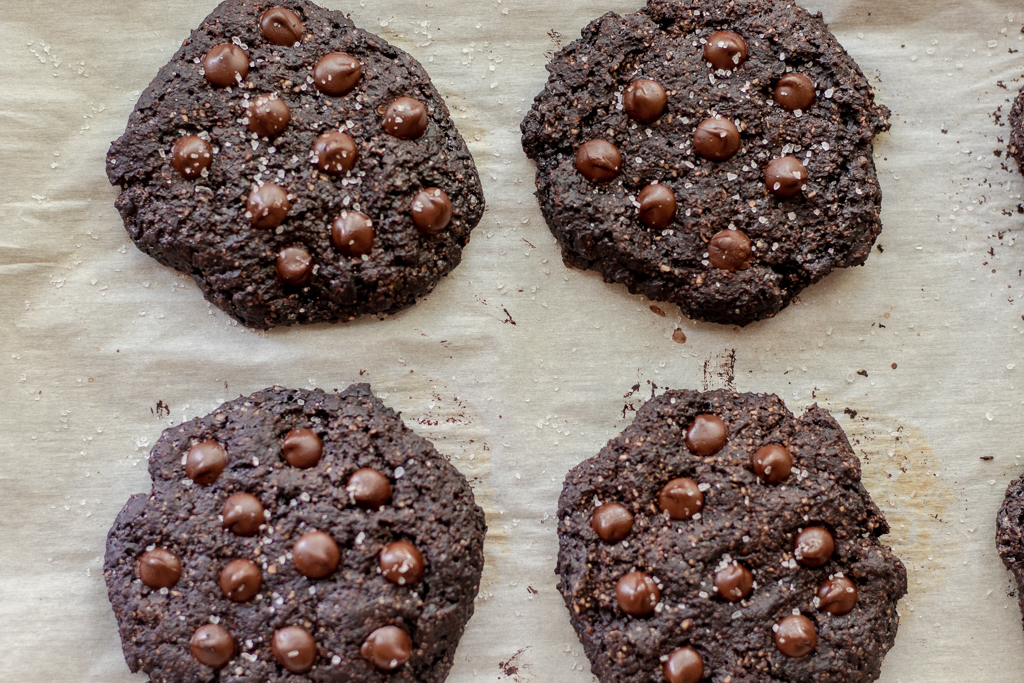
(515,367)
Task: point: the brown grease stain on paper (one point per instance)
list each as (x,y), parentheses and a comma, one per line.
(905,479)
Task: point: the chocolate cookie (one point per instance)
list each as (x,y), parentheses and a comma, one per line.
(1010,534)
(721,538)
(1016,143)
(298,168)
(296,536)
(715,155)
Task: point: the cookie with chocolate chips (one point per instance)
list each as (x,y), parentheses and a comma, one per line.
(720,537)
(300,169)
(714,155)
(296,536)
(1010,534)
(1016,142)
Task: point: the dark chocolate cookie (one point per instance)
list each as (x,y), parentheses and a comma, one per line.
(298,168)
(717,155)
(1016,144)
(1010,534)
(296,536)
(721,538)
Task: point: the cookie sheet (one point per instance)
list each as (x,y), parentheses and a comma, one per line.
(515,367)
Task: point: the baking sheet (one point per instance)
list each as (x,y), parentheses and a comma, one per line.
(515,367)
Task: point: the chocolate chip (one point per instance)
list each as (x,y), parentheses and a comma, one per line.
(734,582)
(431,210)
(190,156)
(637,594)
(335,152)
(315,555)
(785,177)
(281,26)
(337,73)
(725,50)
(268,206)
(388,648)
(837,596)
(706,435)
(716,139)
(225,64)
(772,463)
(729,250)
(684,665)
(240,580)
(302,448)
(294,266)
(212,645)
(159,568)
(400,562)
(352,233)
(794,91)
(657,206)
(294,649)
(268,115)
(814,547)
(369,489)
(243,514)
(795,636)
(599,161)
(681,498)
(612,522)
(205,462)
(406,118)
(644,100)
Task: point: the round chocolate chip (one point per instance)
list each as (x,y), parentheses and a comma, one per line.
(243,514)
(315,555)
(684,665)
(225,64)
(369,489)
(772,463)
(599,161)
(337,73)
(302,448)
(212,646)
(794,91)
(657,206)
(681,499)
(431,210)
(268,206)
(644,100)
(837,596)
(612,522)
(637,594)
(730,250)
(281,26)
(205,462)
(734,582)
(336,153)
(387,648)
(707,435)
(814,547)
(190,156)
(159,568)
(352,233)
(240,580)
(795,636)
(406,118)
(294,649)
(294,266)
(400,562)
(716,139)
(268,115)
(725,50)
(785,177)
